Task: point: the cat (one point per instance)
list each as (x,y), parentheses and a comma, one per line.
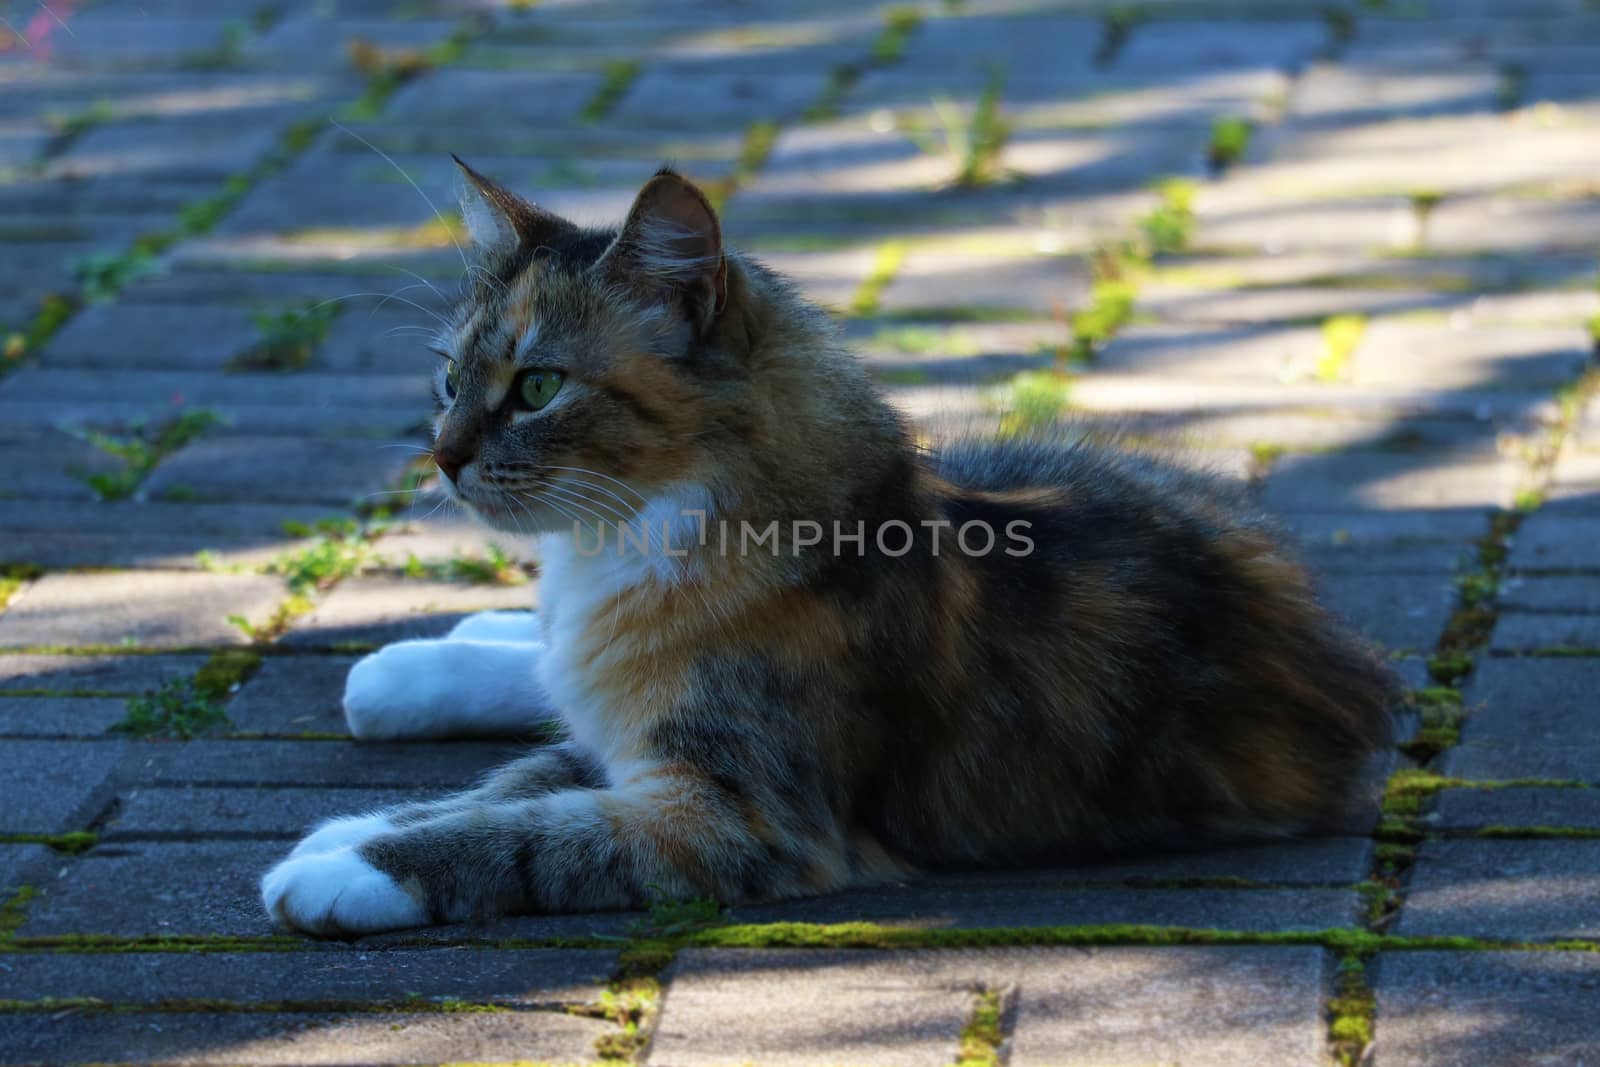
(793,652)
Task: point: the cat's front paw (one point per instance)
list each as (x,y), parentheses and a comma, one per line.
(338,894)
(347,831)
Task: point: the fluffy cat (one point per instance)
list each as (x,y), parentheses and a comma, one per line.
(1031,648)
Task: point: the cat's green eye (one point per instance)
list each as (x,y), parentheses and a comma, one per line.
(539,387)
(450,377)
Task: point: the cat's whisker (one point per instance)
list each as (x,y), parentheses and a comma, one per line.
(384,298)
(480,270)
(596,474)
(402,172)
(418,277)
(594,507)
(587,490)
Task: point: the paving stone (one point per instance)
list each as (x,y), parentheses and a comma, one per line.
(150,609)
(518,978)
(378,611)
(965,50)
(372,342)
(155,534)
(1186,46)
(1575,486)
(980,901)
(1357,481)
(304,1039)
(1508,224)
(1548,542)
(1258,307)
(197,146)
(1568,593)
(91,675)
(1573,760)
(1071,1006)
(60,716)
(436,533)
(53,787)
(1313,861)
(1399,612)
(1472,809)
(460,98)
(658,100)
(270,470)
(293,695)
(1207,1007)
(132,889)
(18,863)
(151,337)
(1533,633)
(1518,890)
(1257,353)
(936,280)
(1485,1009)
(181,812)
(807,1007)
(1352,94)
(1532,702)
(319,404)
(1471,356)
(456,765)
(50,462)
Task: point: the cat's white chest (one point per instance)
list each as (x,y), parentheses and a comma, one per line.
(577,596)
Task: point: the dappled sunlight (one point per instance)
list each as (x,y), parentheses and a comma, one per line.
(1342,254)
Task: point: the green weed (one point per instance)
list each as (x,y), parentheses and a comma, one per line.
(1168,228)
(899,23)
(1230,140)
(886,264)
(1340,336)
(103,275)
(1032,400)
(177,709)
(142,449)
(620,74)
(288,338)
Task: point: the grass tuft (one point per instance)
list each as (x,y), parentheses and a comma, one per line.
(142,449)
(1230,140)
(620,74)
(288,338)
(981,1037)
(178,709)
(1340,336)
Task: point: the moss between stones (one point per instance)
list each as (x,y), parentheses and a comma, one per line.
(14,912)
(862,935)
(68,844)
(1350,1012)
(12,578)
(981,1038)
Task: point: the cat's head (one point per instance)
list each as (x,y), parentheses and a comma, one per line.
(586,367)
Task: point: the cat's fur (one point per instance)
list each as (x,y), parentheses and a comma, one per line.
(754,726)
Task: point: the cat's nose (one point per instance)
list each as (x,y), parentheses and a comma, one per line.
(451,456)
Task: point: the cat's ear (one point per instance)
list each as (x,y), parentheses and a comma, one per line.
(671,247)
(498,219)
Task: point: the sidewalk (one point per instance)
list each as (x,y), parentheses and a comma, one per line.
(1348,251)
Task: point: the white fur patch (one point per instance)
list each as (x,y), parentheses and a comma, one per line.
(576,587)
(515,626)
(347,831)
(434,689)
(338,894)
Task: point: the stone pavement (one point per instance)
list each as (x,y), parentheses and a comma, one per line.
(1346,249)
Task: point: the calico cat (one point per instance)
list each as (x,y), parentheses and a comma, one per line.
(791,651)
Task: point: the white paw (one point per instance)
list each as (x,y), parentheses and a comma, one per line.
(416,690)
(338,894)
(347,831)
(517,626)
